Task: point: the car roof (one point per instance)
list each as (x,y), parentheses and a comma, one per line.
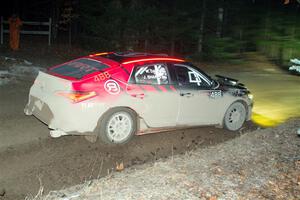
(130,57)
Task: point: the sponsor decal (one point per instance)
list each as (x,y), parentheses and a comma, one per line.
(112,87)
(86,105)
(194,77)
(152,74)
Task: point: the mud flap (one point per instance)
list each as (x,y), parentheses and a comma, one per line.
(27,111)
(91,138)
(57,133)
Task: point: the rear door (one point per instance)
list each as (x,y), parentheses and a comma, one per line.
(153,94)
(199,103)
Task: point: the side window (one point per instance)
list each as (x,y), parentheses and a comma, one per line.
(151,74)
(189,77)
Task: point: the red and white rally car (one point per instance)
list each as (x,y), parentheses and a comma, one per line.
(119,95)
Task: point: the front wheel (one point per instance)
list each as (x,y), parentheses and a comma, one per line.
(235,116)
(118,126)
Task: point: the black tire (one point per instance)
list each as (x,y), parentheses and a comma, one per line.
(235,116)
(109,127)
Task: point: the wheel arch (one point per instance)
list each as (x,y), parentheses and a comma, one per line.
(101,131)
(244,104)
(116,108)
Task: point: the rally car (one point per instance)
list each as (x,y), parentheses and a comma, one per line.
(118,95)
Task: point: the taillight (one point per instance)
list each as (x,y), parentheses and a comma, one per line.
(77,96)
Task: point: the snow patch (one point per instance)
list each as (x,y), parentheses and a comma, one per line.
(27,62)
(3,73)
(295,61)
(9,58)
(296,66)
(4,81)
(5,77)
(20,70)
(12,69)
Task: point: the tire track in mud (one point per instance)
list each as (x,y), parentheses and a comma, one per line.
(67,161)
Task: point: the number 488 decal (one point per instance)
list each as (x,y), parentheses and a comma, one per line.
(215,94)
(102,76)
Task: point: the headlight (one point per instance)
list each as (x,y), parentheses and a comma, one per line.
(250,96)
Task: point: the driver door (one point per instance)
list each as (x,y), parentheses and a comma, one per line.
(199,103)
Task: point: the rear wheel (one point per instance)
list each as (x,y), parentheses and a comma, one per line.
(118,126)
(235,116)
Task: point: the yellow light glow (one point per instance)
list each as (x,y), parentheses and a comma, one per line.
(270,114)
(265,121)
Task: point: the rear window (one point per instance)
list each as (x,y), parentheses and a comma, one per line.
(79,68)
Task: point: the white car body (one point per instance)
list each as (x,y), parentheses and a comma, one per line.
(152,89)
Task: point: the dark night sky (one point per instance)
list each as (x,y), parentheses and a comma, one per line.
(28,9)
(122,23)
(43,9)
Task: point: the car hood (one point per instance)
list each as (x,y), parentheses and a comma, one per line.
(232,86)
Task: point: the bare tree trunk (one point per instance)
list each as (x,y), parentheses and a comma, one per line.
(266,27)
(70,35)
(267,20)
(55,17)
(241,48)
(146,44)
(146,41)
(220,20)
(201,30)
(172,51)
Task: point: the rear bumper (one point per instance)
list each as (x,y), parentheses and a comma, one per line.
(64,116)
(58,112)
(41,112)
